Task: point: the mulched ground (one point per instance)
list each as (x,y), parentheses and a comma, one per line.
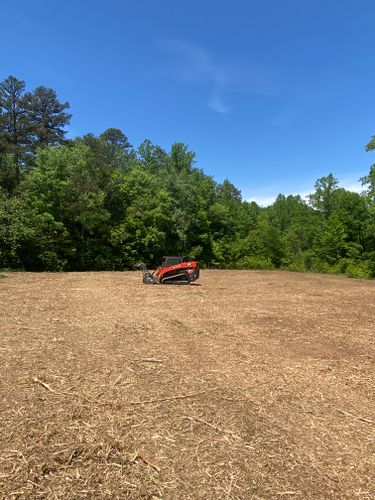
(254,385)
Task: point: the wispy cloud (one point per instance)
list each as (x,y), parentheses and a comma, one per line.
(195,64)
(265,196)
(352,182)
(216,104)
(263,201)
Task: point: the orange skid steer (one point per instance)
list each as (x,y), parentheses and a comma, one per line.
(180,270)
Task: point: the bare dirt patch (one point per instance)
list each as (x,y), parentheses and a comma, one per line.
(253,385)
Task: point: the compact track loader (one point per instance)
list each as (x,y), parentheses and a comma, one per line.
(174,270)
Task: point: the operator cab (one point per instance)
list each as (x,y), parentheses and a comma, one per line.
(171,260)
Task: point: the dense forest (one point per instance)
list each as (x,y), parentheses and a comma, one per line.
(97,203)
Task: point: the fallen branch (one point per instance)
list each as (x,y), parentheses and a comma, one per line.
(172,398)
(362,419)
(147,462)
(218,429)
(43,384)
(282,493)
(149,360)
(49,388)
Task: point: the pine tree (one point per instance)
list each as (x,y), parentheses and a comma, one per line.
(47,117)
(14,119)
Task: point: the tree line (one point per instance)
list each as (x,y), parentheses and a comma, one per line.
(97,203)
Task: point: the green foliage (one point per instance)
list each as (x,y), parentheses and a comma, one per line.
(255,262)
(63,192)
(323,197)
(97,203)
(332,241)
(147,219)
(14,122)
(28,121)
(359,269)
(16,232)
(298,266)
(47,118)
(369,182)
(8,173)
(371,145)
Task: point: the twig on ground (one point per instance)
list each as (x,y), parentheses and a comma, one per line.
(49,388)
(17,452)
(43,384)
(147,462)
(149,360)
(219,429)
(230,486)
(172,398)
(144,459)
(282,493)
(362,419)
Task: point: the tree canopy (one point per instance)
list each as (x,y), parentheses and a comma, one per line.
(96,202)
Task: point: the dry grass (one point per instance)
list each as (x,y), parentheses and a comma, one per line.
(253,385)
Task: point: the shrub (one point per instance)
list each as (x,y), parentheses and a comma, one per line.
(359,269)
(50,261)
(298,267)
(255,262)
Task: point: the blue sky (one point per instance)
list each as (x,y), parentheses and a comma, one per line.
(270,94)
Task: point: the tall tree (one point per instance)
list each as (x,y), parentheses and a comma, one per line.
(181,158)
(47,116)
(17,232)
(147,219)
(369,179)
(8,173)
(369,182)
(371,145)
(352,210)
(116,138)
(323,197)
(153,158)
(332,242)
(64,193)
(14,118)
(29,121)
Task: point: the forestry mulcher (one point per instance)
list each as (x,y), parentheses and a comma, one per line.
(173,270)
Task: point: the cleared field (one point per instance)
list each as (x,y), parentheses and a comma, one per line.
(253,385)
